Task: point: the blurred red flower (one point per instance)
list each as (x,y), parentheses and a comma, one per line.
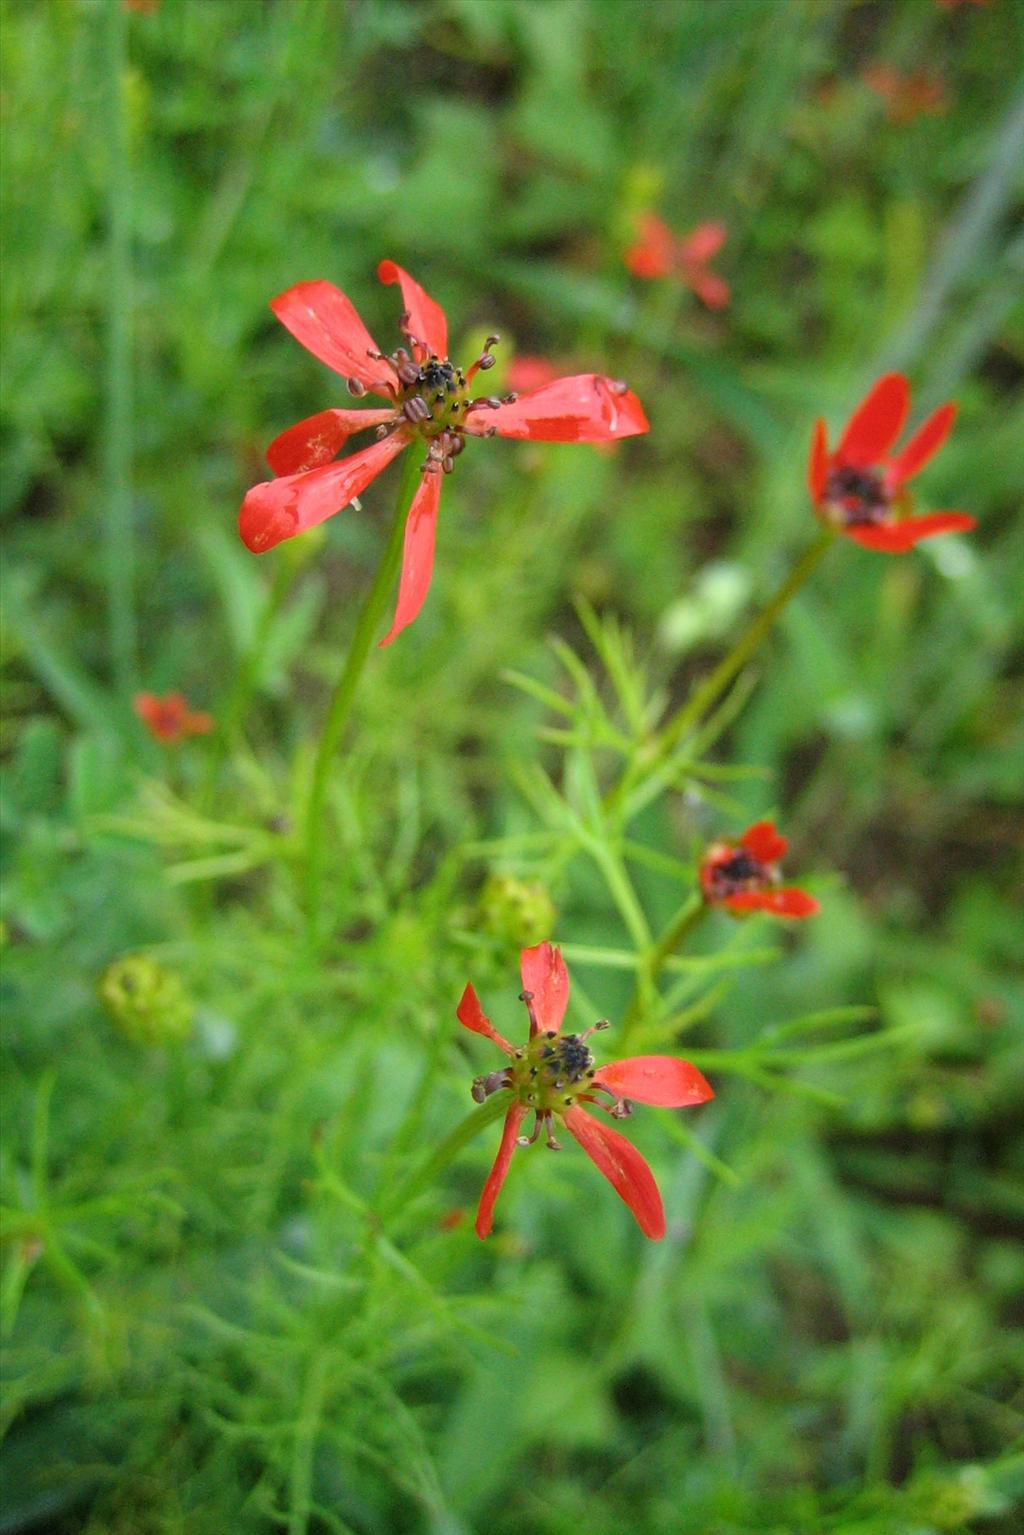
(906,96)
(744,876)
(554,1074)
(859,488)
(428,400)
(657,252)
(169,719)
(526,372)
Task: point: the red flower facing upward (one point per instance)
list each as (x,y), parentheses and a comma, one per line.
(745,877)
(169,719)
(657,252)
(859,488)
(906,96)
(428,401)
(553,1074)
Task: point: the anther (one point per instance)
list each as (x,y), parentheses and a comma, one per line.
(356,387)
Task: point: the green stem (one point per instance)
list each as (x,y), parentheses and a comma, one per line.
(117,454)
(478,1119)
(246,675)
(649,968)
(707,695)
(340,710)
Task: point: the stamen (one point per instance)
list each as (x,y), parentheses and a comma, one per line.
(595,1028)
(527,997)
(493,1082)
(484,361)
(356,388)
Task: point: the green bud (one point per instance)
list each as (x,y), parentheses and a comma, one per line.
(147,1004)
(518,911)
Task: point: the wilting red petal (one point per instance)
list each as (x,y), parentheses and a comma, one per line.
(787,902)
(763,842)
(326,323)
(545,976)
(319,439)
(585,408)
(417,554)
(472,1016)
(899,537)
(663,1080)
(817,464)
(426,318)
(279,509)
(496,1176)
(623,1166)
(712,290)
(924,444)
(703,242)
(876,423)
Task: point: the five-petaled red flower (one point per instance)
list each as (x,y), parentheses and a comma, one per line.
(428,400)
(169,719)
(657,252)
(554,1074)
(859,489)
(744,876)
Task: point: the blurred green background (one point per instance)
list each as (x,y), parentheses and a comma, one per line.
(219,1310)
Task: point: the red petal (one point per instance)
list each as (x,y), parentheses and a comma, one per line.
(712,290)
(496,1176)
(326,323)
(584,408)
(426,318)
(317,440)
(876,423)
(278,509)
(781,903)
(703,242)
(623,1166)
(417,554)
(546,978)
(898,537)
(763,842)
(817,464)
(924,444)
(663,1080)
(651,255)
(472,1016)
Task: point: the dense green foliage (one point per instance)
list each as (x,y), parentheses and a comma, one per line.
(237,1293)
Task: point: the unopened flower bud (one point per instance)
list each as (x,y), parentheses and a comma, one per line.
(518,911)
(147,1004)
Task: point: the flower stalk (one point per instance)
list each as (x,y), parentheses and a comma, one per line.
(343,698)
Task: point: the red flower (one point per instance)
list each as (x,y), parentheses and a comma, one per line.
(659,253)
(859,488)
(744,876)
(906,96)
(428,400)
(170,719)
(553,1075)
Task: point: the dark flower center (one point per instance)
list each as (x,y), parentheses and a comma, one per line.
(433,397)
(439,397)
(857,496)
(551,1074)
(737,872)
